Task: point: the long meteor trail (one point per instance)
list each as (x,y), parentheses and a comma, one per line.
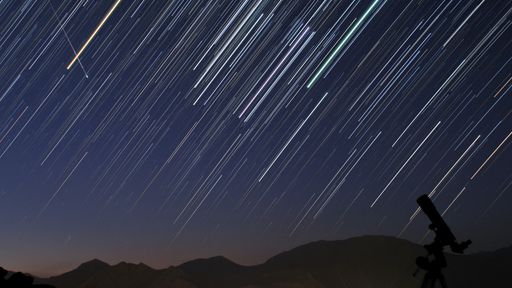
(341,44)
(67,38)
(93,34)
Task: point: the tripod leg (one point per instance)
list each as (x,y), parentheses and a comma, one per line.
(428,282)
(442,281)
(433,281)
(424,283)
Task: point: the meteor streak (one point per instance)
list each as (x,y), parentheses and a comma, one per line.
(341,44)
(93,34)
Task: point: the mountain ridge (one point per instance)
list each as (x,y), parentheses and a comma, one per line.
(364,261)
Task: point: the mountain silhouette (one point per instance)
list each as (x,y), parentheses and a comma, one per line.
(10,279)
(367,261)
(96,273)
(216,264)
(80,275)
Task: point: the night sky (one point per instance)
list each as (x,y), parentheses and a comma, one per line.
(187,129)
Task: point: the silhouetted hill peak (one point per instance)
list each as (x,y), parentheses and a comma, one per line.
(131,268)
(79,275)
(215,264)
(325,252)
(93,264)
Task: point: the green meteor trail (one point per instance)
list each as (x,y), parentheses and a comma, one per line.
(341,44)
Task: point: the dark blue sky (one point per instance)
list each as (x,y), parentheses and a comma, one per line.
(242,128)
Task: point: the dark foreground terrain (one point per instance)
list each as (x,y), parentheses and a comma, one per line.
(368,261)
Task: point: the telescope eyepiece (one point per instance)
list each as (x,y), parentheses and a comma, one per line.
(460,247)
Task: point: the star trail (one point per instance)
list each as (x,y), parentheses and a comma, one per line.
(161,131)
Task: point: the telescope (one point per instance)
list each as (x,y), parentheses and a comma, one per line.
(444,236)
